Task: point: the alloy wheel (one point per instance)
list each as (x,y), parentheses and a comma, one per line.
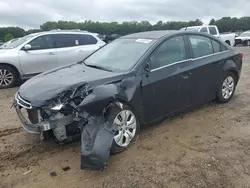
(228,87)
(6,77)
(126,122)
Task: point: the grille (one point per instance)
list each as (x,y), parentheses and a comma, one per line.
(22,102)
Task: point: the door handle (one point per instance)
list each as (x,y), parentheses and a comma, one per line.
(185,75)
(51,53)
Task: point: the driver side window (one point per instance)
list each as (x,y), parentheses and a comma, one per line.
(171,51)
(42,43)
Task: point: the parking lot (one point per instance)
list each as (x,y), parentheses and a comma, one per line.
(208,147)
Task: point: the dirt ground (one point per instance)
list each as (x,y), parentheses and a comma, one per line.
(208,147)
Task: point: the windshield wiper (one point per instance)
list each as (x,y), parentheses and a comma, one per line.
(98,67)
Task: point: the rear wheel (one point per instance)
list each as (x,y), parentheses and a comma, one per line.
(8,77)
(227,87)
(128,127)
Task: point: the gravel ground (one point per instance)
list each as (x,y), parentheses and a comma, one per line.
(206,148)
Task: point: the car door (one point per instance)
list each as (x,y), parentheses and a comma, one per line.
(214,31)
(164,90)
(206,67)
(72,48)
(41,57)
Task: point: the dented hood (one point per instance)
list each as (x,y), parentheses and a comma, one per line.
(48,85)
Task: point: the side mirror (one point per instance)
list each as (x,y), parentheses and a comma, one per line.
(147,68)
(27,47)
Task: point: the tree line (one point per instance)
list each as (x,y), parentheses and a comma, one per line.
(225,24)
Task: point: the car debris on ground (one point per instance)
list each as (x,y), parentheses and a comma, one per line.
(52,174)
(66,168)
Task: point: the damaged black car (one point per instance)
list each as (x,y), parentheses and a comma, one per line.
(131,81)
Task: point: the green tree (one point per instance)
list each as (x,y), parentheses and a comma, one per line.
(212,22)
(8,37)
(32,31)
(224,24)
(14,31)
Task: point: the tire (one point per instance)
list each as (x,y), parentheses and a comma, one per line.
(247,43)
(113,114)
(8,77)
(227,87)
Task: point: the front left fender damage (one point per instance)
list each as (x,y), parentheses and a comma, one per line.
(96,141)
(96,133)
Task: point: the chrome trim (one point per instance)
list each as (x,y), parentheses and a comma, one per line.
(19,98)
(210,55)
(178,62)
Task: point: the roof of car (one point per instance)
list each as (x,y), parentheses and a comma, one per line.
(64,32)
(150,34)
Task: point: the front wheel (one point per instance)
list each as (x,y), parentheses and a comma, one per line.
(8,77)
(247,43)
(227,87)
(128,127)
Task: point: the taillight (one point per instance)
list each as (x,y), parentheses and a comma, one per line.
(241,54)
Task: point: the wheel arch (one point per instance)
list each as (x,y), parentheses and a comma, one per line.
(13,67)
(230,66)
(121,100)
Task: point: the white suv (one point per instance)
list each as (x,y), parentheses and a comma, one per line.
(39,52)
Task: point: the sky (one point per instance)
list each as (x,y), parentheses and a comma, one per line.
(32,13)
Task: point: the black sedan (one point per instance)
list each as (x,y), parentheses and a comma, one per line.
(131,81)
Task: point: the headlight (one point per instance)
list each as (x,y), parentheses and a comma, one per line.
(57,107)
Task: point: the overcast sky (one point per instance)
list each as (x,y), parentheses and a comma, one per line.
(32,13)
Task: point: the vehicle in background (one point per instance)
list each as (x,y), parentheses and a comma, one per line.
(111,37)
(243,38)
(102,37)
(229,38)
(39,52)
(9,42)
(122,83)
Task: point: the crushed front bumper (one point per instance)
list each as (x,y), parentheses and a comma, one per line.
(39,127)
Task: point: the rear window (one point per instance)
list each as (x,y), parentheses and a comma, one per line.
(201,45)
(66,40)
(86,39)
(71,40)
(218,47)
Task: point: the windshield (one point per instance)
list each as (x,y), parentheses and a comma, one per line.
(18,42)
(245,34)
(119,55)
